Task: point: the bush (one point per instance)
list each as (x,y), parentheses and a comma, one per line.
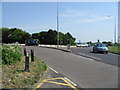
(10,54)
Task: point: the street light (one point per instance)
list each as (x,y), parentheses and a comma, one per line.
(114,27)
(57,27)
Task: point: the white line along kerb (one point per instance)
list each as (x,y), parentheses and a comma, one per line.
(53,70)
(70,81)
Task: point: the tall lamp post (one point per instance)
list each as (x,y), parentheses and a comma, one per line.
(114,27)
(57,27)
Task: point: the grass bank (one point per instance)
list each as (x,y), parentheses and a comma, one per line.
(114,49)
(14,75)
(116,52)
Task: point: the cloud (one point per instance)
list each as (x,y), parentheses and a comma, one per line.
(92,20)
(82,16)
(71,13)
(36,27)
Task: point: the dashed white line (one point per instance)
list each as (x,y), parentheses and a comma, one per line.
(70,81)
(53,70)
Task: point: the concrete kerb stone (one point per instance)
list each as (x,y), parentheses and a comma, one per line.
(55,47)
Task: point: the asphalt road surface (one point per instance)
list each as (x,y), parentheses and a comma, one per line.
(85,72)
(109,58)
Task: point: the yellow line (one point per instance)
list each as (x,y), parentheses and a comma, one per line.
(53,78)
(45,81)
(69,84)
(38,85)
(57,83)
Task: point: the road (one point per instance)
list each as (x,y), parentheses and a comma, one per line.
(109,58)
(85,72)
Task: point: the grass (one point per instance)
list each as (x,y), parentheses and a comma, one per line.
(116,52)
(14,76)
(114,48)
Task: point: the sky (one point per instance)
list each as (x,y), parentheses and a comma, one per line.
(86,21)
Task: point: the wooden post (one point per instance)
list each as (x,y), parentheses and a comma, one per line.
(32,55)
(24,51)
(27,62)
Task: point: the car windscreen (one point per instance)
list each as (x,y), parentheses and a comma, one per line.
(101,45)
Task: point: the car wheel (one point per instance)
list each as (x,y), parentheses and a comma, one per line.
(106,52)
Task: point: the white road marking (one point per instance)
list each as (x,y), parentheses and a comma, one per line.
(83,57)
(70,81)
(53,70)
(90,56)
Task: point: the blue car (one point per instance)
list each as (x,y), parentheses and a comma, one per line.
(100,47)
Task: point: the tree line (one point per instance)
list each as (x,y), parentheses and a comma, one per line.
(13,35)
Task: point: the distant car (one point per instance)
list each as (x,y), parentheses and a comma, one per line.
(81,45)
(31,43)
(100,47)
(78,45)
(88,45)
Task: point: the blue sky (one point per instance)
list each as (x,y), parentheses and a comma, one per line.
(86,21)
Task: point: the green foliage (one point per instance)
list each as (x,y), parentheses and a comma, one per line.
(10,54)
(45,37)
(14,35)
(50,37)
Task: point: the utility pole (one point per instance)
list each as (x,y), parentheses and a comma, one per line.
(57,26)
(119,22)
(114,27)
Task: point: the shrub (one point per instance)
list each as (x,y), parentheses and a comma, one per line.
(10,54)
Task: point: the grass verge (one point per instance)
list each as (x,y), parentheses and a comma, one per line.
(114,48)
(14,76)
(116,52)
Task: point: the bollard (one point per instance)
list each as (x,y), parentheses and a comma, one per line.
(69,48)
(32,55)
(27,62)
(24,51)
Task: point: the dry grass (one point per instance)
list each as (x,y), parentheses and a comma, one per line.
(14,76)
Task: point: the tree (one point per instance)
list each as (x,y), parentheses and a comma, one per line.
(69,39)
(14,35)
(61,38)
(51,37)
(35,35)
(42,37)
(5,34)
